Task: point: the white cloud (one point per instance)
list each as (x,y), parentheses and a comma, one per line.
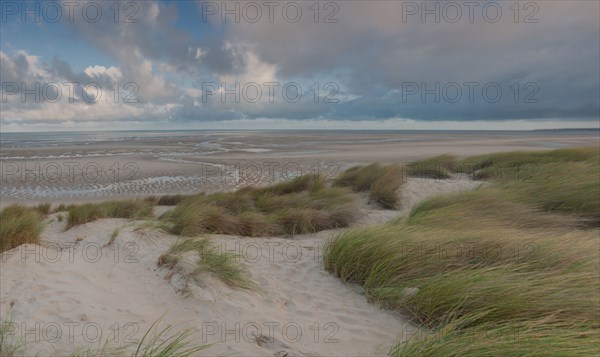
(95,71)
(199,53)
(94,98)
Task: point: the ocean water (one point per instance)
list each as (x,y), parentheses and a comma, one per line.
(76,138)
(49,139)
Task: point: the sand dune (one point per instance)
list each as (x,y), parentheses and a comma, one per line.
(61,299)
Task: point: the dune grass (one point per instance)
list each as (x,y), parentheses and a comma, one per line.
(510,339)
(63,207)
(209,259)
(517,254)
(514,165)
(563,180)
(43,208)
(167,200)
(303,205)
(156,342)
(383,182)
(10,343)
(439,167)
(132,209)
(572,188)
(19,225)
(543,179)
(163,342)
(515,158)
(114,236)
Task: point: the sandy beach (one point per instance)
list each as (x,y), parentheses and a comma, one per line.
(76,289)
(97,167)
(99,283)
(299,178)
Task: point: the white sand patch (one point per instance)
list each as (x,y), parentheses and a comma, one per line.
(417,189)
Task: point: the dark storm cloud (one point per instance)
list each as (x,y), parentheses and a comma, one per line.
(379,49)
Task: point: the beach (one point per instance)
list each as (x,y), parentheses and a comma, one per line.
(311,178)
(119,291)
(80,167)
(249,265)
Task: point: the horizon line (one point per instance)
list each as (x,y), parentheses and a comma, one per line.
(297,129)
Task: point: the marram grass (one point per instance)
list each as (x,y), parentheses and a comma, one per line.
(517,255)
(381,181)
(439,167)
(208,259)
(132,209)
(303,205)
(19,225)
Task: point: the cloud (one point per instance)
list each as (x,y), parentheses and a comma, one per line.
(376,61)
(34,92)
(381,50)
(113,73)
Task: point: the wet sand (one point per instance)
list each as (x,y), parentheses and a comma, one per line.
(126,166)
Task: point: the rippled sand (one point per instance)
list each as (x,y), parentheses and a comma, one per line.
(105,167)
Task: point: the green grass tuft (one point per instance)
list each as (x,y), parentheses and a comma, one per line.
(303,205)
(114,236)
(156,342)
(303,183)
(19,225)
(164,343)
(171,200)
(132,209)
(383,182)
(210,259)
(43,208)
(439,167)
(534,338)
(11,343)
(166,200)
(63,207)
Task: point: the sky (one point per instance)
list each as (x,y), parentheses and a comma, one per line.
(104,65)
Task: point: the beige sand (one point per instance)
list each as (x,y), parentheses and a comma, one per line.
(300,308)
(227,160)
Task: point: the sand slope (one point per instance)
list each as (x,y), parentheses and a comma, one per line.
(62,299)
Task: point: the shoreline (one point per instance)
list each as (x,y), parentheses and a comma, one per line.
(226,161)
